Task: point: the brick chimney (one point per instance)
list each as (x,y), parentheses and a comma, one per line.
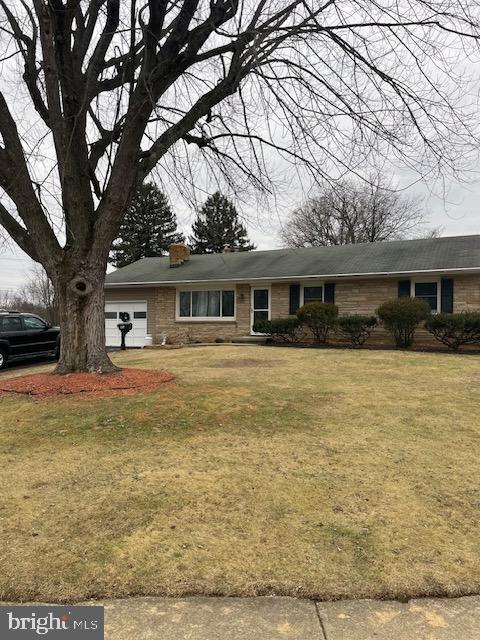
(179,253)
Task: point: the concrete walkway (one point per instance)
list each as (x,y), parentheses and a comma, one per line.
(290,619)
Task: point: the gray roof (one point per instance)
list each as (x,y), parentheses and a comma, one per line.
(402,256)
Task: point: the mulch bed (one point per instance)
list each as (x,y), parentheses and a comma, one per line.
(123,382)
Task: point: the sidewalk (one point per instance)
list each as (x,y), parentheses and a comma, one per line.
(275,618)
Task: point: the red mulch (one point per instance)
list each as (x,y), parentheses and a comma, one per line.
(124,382)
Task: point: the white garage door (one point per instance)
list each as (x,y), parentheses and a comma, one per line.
(138,317)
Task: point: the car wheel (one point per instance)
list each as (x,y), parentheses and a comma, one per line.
(3,359)
(57,351)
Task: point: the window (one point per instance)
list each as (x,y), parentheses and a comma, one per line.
(139,315)
(110,315)
(427,291)
(206,304)
(311,293)
(11,324)
(33,324)
(228,304)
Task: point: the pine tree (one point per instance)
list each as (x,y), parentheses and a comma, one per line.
(217,225)
(148,228)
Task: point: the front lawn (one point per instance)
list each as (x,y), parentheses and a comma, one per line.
(326,473)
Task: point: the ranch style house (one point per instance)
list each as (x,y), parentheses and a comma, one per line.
(191,298)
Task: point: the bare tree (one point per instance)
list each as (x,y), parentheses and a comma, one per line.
(352,211)
(7,299)
(37,296)
(40,293)
(120,88)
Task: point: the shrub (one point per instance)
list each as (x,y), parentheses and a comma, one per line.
(282,329)
(455,329)
(356,328)
(401,317)
(319,317)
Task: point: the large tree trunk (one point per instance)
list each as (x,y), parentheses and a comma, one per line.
(81,302)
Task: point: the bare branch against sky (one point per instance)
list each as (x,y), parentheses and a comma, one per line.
(96,95)
(349,212)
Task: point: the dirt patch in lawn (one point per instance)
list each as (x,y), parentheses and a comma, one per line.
(245,362)
(123,382)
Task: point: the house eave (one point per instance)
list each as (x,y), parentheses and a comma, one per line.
(328,276)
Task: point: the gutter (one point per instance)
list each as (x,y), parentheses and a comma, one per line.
(377,274)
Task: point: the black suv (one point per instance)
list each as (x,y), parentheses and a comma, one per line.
(25,335)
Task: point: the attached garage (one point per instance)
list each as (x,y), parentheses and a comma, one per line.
(138,317)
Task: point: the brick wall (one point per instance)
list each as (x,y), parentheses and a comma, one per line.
(280,300)
(363,296)
(466,294)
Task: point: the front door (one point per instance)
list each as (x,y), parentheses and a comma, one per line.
(259,307)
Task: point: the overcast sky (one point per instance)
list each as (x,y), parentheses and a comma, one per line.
(455,211)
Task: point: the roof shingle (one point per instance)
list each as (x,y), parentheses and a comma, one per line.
(402,256)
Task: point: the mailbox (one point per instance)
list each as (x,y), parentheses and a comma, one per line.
(124,327)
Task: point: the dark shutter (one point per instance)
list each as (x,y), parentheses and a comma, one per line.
(329,293)
(294,298)
(447,295)
(404,288)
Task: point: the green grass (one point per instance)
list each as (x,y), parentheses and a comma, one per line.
(326,473)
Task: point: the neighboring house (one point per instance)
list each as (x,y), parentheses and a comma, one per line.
(204,297)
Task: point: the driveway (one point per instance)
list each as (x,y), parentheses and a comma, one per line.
(17,365)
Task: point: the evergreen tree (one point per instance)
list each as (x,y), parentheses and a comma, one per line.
(217,225)
(148,228)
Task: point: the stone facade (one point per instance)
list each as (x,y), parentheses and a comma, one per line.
(352,296)
(466,293)
(203,331)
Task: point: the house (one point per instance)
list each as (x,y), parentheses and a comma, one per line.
(186,297)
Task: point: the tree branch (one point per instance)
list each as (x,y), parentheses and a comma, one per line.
(18,233)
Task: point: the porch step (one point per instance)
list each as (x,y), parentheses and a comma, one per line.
(250,340)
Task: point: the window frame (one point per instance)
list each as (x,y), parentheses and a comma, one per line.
(213,287)
(311,283)
(437,281)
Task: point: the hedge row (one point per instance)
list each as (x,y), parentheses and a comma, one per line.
(401,317)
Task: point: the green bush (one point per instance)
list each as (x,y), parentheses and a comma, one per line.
(401,316)
(281,330)
(319,317)
(356,328)
(455,329)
